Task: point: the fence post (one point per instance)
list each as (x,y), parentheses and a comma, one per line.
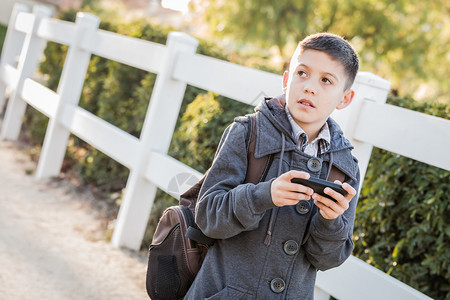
(11,48)
(32,49)
(156,135)
(69,90)
(367,87)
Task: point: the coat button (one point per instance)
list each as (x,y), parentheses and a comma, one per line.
(314,165)
(303,207)
(277,285)
(290,247)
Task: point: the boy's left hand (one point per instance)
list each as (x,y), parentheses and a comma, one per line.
(330,209)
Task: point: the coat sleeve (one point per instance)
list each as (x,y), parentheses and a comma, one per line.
(225,205)
(330,241)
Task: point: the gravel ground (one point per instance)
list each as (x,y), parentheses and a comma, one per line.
(52,240)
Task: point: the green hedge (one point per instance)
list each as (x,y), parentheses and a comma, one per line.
(401,226)
(115,92)
(2,36)
(402,221)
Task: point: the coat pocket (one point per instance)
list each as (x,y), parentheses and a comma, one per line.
(232,293)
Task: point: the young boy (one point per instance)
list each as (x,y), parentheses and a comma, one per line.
(273,236)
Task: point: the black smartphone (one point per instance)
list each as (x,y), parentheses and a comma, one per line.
(318,185)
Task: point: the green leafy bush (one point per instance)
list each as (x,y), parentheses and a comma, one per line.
(2,36)
(402,224)
(196,139)
(117,93)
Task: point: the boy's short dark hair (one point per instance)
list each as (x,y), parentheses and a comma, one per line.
(337,48)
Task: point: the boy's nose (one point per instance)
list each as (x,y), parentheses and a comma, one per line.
(308,89)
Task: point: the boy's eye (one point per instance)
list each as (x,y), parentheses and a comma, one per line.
(301,73)
(326,80)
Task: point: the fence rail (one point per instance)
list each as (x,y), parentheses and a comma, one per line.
(409,133)
(177,65)
(221,77)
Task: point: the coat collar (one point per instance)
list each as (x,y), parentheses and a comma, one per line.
(272,124)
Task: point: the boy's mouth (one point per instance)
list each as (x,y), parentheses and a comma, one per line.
(306,103)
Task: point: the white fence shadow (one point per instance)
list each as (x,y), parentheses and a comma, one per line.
(367,122)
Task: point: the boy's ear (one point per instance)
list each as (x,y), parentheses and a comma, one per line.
(285,81)
(348,97)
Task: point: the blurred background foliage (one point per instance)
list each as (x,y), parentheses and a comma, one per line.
(405,41)
(403,212)
(2,36)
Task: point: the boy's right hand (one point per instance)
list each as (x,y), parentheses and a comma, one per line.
(284,192)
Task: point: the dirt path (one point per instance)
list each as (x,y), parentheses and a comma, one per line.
(52,243)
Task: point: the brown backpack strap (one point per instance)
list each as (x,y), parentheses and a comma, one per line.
(336,174)
(257,167)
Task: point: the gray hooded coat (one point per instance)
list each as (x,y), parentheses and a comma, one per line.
(264,251)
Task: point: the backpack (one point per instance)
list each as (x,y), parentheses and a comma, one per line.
(178,246)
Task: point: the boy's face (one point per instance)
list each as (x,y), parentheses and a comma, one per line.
(314,87)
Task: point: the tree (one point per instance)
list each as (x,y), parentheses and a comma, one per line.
(406,42)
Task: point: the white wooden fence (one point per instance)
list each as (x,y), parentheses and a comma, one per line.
(367,122)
